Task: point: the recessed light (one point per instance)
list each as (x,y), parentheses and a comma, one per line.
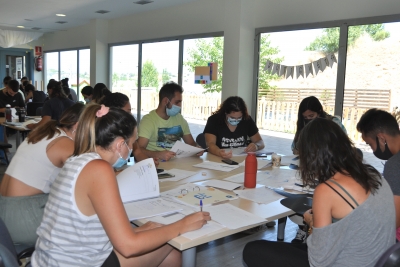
(143,2)
(61,22)
(60,15)
(20,27)
(102,11)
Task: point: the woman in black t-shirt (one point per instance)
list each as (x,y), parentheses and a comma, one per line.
(229,127)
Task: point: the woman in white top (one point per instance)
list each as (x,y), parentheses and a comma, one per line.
(85,223)
(26,183)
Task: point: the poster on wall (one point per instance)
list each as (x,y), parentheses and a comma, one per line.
(206,74)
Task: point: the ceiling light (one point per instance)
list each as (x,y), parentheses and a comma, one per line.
(60,15)
(102,11)
(20,27)
(143,2)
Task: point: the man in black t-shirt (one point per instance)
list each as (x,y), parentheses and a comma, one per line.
(10,96)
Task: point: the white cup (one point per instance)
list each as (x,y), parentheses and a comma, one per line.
(276,160)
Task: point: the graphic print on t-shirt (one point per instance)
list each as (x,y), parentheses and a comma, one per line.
(232,142)
(166,137)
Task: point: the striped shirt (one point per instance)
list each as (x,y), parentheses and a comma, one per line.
(66,236)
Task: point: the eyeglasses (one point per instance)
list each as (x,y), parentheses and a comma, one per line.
(185,191)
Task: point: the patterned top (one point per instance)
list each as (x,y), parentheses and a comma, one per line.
(66,236)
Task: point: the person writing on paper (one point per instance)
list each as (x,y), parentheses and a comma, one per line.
(229,127)
(26,183)
(119,100)
(309,109)
(352,221)
(162,127)
(84,222)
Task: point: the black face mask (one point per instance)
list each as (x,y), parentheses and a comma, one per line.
(383,155)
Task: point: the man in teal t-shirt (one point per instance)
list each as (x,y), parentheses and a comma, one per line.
(162,127)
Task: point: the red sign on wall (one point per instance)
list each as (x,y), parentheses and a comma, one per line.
(38,51)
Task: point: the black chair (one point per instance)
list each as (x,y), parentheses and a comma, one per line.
(31,108)
(390,258)
(10,253)
(201,140)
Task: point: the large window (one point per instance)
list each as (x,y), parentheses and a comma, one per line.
(71,64)
(124,74)
(157,62)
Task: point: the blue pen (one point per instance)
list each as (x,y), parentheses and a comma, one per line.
(201,205)
(163,160)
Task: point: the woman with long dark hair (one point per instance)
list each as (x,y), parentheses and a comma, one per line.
(309,109)
(229,127)
(352,220)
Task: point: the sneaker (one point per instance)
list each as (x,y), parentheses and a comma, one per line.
(301,236)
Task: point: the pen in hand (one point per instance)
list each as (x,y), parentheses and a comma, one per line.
(201,205)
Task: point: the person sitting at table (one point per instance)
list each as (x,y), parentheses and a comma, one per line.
(380,131)
(87,93)
(309,109)
(99,91)
(85,199)
(119,100)
(229,127)
(27,180)
(10,96)
(55,106)
(352,220)
(162,127)
(34,95)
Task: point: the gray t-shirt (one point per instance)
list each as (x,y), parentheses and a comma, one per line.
(391,172)
(360,238)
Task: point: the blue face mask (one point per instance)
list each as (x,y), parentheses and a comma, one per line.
(121,161)
(173,111)
(233,122)
(87,100)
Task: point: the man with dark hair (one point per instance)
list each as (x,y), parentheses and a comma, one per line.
(10,95)
(380,131)
(162,127)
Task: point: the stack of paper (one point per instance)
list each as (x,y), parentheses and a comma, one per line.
(149,208)
(221,184)
(259,195)
(179,175)
(216,166)
(183,150)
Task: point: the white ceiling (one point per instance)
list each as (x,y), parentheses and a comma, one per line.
(42,13)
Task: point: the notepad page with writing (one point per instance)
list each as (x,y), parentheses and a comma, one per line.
(139,181)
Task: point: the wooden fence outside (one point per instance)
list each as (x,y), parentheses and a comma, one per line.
(271,115)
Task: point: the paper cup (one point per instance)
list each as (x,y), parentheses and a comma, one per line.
(276,160)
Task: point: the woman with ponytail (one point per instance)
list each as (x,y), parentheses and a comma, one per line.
(26,183)
(85,223)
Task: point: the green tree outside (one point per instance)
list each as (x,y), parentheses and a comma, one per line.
(328,42)
(149,75)
(165,76)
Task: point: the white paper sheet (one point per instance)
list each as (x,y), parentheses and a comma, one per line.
(139,181)
(239,178)
(237,151)
(149,208)
(208,228)
(287,160)
(259,195)
(216,166)
(231,216)
(221,184)
(261,163)
(184,150)
(279,177)
(179,175)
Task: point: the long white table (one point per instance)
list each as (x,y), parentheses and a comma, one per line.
(271,211)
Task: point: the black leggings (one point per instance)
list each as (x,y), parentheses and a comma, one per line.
(269,253)
(111,261)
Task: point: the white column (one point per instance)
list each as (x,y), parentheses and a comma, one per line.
(239,50)
(99,52)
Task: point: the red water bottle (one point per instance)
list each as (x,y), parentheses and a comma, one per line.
(250,170)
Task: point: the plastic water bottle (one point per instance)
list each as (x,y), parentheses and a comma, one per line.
(8,113)
(250,170)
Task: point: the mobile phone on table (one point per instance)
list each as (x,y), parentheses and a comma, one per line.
(159,170)
(230,162)
(165,175)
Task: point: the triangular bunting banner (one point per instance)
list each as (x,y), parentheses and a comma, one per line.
(300,71)
(289,72)
(276,68)
(331,59)
(309,69)
(283,70)
(268,66)
(317,67)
